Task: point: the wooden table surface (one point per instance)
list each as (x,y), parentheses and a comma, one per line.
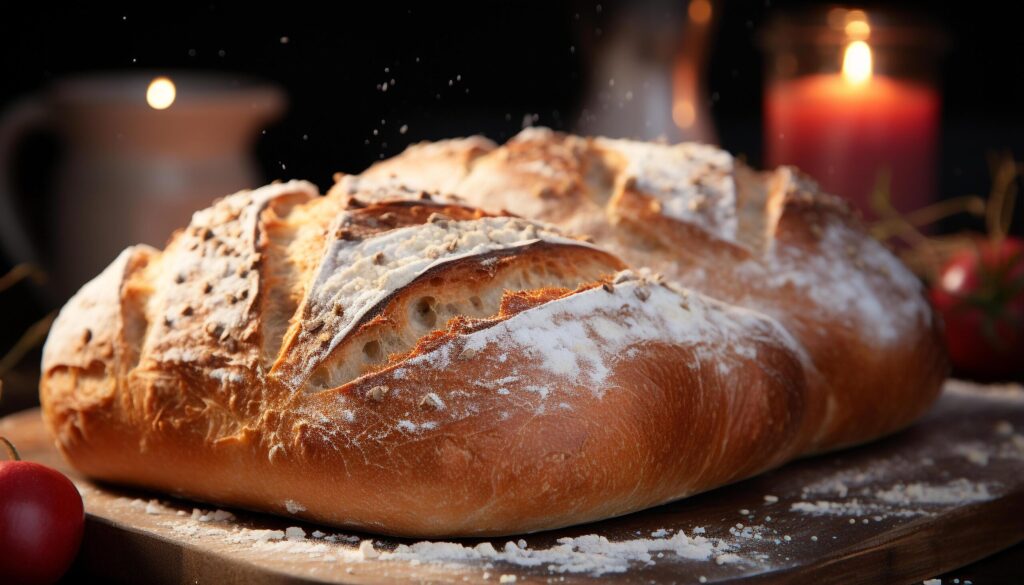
(941,495)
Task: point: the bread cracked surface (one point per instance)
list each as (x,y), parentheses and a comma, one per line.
(426,364)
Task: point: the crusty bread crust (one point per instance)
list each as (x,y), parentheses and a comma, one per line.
(768,241)
(395,361)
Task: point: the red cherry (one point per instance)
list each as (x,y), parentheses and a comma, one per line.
(980,295)
(41,521)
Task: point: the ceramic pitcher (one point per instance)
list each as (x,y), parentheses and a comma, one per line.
(132,173)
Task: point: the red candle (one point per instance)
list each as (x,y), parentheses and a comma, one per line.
(846,129)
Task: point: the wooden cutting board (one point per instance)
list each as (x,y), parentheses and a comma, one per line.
(940,495)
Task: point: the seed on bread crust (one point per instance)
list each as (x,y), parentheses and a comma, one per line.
(377,393)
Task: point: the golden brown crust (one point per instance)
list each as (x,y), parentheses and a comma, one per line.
(439,444)
(768,241)
(392,359)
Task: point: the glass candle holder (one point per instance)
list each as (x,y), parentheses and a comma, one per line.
(851,99)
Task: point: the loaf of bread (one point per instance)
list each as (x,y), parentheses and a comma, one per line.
(405,356)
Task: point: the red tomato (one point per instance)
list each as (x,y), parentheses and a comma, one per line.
(980,295)
(41,520)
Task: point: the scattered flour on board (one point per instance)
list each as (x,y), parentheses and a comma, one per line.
(590,554)
(853,507)
(899,499)
(885,490)
(955,492)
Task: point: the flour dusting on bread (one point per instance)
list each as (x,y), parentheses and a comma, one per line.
(690,182)
(578,336)
(355,276)
(847,292)
(209,279)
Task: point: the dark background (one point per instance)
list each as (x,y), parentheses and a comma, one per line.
(505,60)
(514,58)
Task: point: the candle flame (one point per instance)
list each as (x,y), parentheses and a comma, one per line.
(857,63)
(161,93)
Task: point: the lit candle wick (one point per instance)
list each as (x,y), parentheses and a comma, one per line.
(161,93)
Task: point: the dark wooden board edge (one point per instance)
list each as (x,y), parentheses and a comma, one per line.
(119,553)
(917,551)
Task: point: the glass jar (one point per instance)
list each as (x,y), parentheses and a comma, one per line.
(850,98)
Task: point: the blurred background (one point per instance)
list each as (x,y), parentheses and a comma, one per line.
(117,122)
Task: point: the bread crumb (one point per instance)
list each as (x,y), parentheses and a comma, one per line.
(215,516)
(726,558)
(377,393)
(366,550)
(432,401)
(768,498)
(972,453)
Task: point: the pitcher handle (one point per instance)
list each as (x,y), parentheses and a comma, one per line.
(22,117)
